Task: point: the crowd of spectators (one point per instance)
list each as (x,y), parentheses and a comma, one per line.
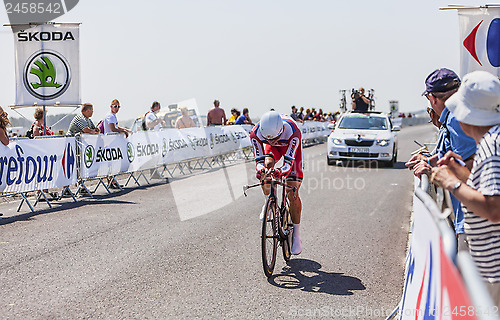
(466,162)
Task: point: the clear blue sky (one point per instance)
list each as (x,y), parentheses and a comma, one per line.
(256,54)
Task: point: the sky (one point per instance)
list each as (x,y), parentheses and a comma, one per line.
(255,54)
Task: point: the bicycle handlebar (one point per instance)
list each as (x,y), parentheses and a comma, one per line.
(281,183)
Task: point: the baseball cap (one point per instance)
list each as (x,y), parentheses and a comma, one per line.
(441,80)
(477,101)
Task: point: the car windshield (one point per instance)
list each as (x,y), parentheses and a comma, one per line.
(363,122)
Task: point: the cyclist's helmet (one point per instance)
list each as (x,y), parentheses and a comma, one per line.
(271,125)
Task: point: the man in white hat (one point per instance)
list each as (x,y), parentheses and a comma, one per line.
(476,105)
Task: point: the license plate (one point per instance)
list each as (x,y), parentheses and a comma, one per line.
(359,150)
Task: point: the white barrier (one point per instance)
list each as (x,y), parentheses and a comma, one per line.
(434,288)
(114,154)
(28,165)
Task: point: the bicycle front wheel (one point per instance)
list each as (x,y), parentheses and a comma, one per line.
(287,226)
(269,238)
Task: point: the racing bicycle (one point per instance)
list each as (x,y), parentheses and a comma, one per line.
(277,227)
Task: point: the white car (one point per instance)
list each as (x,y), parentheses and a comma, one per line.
(363,136)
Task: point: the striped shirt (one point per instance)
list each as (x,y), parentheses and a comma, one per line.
(78,123)
(483,235)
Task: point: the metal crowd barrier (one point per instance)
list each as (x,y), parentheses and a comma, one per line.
(438,201)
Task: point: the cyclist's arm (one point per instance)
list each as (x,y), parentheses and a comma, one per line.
(289,158)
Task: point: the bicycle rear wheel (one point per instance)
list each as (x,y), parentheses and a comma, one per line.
(286,243)
(269,238)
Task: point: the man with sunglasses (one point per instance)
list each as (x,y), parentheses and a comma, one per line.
(274,137)
(111,121)
(441,84)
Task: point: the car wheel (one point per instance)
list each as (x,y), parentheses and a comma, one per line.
(330,162)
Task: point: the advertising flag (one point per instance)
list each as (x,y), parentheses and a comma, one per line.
(47,64)
(479,39)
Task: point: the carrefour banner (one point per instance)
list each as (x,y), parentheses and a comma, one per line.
(28,165)
(479,39)
(47,64)
(103,155)
(433,287)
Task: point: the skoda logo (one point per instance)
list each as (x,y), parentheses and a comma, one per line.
(46,75)
(164,148)
(212,142)
(358,139)
(89,156)
(130,152)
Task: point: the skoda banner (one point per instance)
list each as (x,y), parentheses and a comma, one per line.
(47,64)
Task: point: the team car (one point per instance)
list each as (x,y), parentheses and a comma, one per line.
(363,136)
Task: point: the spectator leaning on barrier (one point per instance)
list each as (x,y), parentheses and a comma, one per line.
(82,123)
(216,116)
(4,122)
(234,115)
(184,121)
(295,115)
(244,118)
(111,121)
(476,106)
(153,122)
(38,125)
(441,84)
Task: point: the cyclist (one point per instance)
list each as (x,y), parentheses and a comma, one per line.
(274,137)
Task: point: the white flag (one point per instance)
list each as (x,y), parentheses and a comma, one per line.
(479,39)
(47,64)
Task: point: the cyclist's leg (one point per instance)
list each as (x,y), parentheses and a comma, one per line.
(294,199)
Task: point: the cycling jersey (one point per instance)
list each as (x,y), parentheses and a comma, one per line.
(288,146)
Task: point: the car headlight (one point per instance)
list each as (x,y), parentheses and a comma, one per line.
(383,142)
(337,141)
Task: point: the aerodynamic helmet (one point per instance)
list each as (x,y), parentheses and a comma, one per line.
(271,125)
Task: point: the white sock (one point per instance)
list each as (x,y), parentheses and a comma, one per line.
(296,230)
(297,242)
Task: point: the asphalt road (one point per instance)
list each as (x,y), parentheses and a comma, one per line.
(191,248)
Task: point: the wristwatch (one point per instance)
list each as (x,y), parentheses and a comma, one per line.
(456,186)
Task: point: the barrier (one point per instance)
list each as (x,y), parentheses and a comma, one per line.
(59,161)
(437,284)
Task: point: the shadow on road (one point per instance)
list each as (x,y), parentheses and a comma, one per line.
(366,164)
(306,275)
(68,204)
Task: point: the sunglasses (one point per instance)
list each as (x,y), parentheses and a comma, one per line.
(116,107)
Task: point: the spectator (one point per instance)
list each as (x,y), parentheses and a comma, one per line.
(319,115)
(111,121)
(184,121)
(244,118)
(329,117)
(153,122)
(476,106)
(82,123)
(295,116)
(38,125)
(234,115)
(308,116)
(216,116)
(4,122)
(441,84)
(301,114)
(360,103)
